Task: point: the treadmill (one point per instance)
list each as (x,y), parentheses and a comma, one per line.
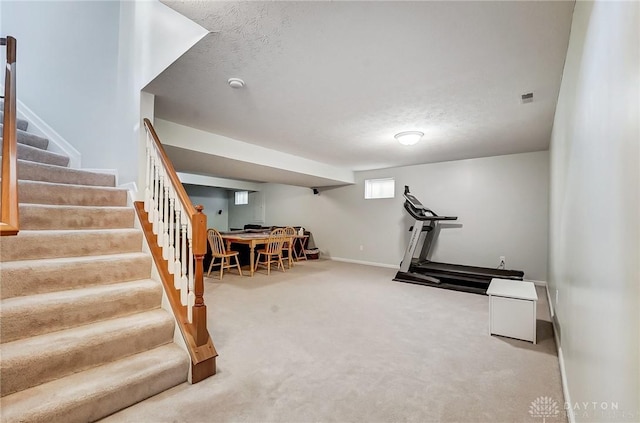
(422,271)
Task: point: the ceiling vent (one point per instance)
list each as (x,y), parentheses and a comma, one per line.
(527,98)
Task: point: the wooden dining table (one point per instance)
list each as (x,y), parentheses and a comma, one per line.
(250,239)
(253,239)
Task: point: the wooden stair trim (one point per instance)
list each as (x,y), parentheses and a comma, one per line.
(9,216)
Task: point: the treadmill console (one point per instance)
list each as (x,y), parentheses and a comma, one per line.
(419,212)
(413,201)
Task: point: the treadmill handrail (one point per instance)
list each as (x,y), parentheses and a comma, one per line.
(421,216)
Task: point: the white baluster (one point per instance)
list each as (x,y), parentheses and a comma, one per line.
(147,187)
(184,282)
(191,299)
(151,183)
(165,222)
(156,196)
(160,233)
(172,216)
(177,266)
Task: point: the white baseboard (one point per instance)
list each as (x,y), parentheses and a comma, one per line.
(537,283)
(551,309)
(132,192)
(366,263)
(57,143)
(571,418)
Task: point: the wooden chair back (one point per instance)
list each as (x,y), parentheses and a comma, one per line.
(275,242)
(216,242)
(290,231)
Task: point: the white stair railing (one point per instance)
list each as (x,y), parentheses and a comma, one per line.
(172,224)
(178,231)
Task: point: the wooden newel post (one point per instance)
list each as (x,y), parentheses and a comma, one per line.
(199,223)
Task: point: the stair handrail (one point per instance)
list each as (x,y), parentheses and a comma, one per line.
(177,231)
(9,218)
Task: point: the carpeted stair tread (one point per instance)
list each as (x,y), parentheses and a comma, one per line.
(29,277)
(60,310)
(24,137)
(21,123)
(33,171)
(98,392)
(29,245)
(39,359)
(37,192)
(82,334)
(26,152)
(44,216)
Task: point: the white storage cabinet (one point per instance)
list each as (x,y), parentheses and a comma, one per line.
(512,309)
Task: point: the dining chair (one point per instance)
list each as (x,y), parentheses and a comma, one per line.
(289,245)
(272,251)
(218,251)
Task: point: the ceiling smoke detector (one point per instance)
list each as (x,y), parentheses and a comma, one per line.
(527,98)
(236,83)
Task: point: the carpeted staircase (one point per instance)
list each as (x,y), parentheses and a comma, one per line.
(81,329)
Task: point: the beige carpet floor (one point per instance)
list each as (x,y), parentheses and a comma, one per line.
(337,342)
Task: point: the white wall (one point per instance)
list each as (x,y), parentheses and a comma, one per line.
(501,204)
(81,66)
(212,181)
(213,200)
(207,142)
(594,245)
(151,37)
(255,211)
(66,59)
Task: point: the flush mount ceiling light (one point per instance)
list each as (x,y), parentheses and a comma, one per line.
(236,83)
(409,137)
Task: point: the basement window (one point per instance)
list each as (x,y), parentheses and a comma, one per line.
(242,197)
(379,188)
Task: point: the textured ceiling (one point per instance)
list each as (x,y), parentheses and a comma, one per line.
(334,81)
